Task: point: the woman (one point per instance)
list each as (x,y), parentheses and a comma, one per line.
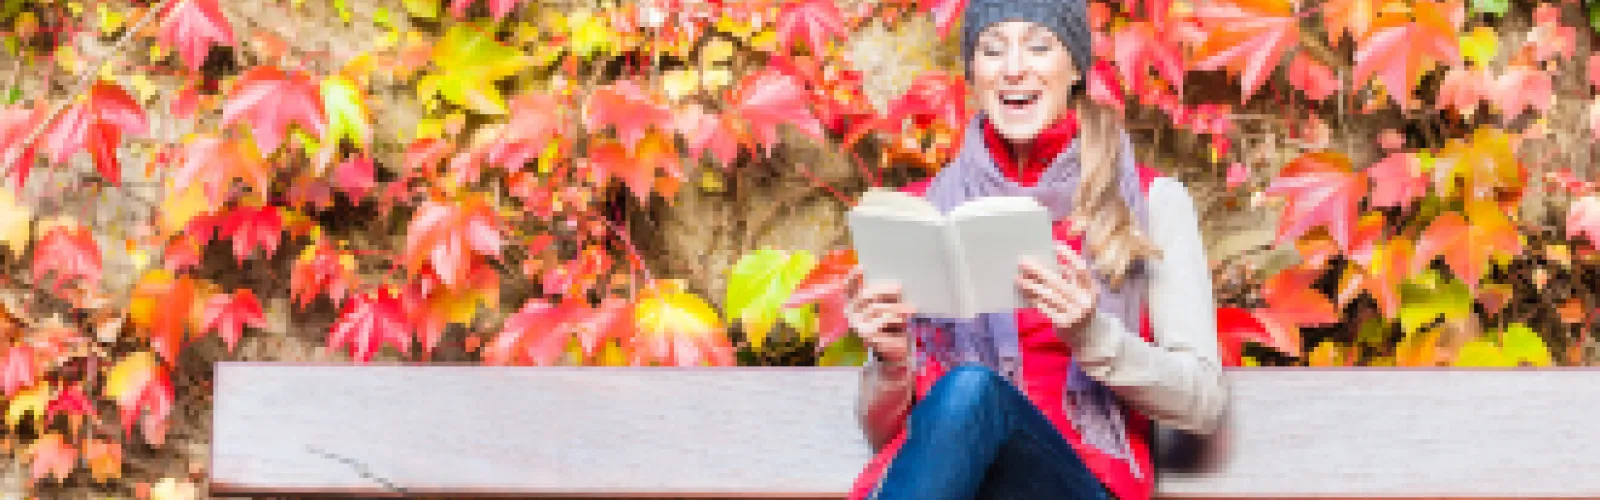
(1054,400)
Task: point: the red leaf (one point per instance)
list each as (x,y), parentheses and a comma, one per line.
(933,97)
(1320,189)
(535,334)
(70,401)
(1246,37)
(825,285)
(448,235)
(945,13)
(193,26)
(625,106)
(321,269)
(139,383)
(705,132)
(367,322)
(97,124)
(815,21)
(1584,220)
(270,100)
(15,125)
(1399,55)
(1236,326)
(425,154)
(1311,77)
(1462,88)
(536,119)
(497,8)
(227,315)
(1104,87)
(251,228)
(1522,88)
(71,252)
(1397,180)
(355,177)
(50,455)
(19,369)
(1139,47)
(613,319)
(769,98)
(186,103)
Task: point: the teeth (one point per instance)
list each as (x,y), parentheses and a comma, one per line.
(1019,98)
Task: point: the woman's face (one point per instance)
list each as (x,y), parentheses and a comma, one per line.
(1022,75)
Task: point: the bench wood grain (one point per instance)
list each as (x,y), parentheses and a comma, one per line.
(479,431)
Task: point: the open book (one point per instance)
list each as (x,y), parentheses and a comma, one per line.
(954,266)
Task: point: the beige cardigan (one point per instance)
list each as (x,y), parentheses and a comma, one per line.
(1177,380)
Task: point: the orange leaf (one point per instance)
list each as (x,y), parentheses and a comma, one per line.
(1387,266)
(214,163)
(1291,303)
(1248,37)
(1397,180)
(104,459)
(1311,77)
(536,334)
(1467,243)
(447,237)
(162,306)
(1321,190)
(19,369)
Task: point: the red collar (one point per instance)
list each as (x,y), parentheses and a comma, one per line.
(1051,141)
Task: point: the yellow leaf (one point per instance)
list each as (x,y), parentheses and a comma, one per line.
(110,19)
(718,50)
(15,219)
(591,35)
(426,9)
(182,207)
(680,82)
(710,181)
(172,489)
(32,400)
(612,355)
(1419,349)
(765,41)
(1328,353)
(1480,46)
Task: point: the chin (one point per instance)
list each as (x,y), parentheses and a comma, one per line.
(1018,132)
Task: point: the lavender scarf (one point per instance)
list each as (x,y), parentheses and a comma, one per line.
(991,339)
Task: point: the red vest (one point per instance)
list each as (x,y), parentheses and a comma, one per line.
(1045,360)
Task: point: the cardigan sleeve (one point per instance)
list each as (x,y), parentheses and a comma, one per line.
(1177,380)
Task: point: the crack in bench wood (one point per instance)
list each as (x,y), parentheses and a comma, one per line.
(479,431)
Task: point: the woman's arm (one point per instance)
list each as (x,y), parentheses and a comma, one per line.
(1178,380)
(886,390)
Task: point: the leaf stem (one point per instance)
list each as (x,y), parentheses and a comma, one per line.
(12,155)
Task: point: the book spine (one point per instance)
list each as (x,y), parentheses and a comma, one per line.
(961,277)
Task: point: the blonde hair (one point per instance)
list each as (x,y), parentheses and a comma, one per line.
(1100,213)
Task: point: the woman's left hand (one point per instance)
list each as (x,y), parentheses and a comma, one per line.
(1068,298)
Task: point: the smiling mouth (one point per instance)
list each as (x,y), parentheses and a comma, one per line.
(1018,101)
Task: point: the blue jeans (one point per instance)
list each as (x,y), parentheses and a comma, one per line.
(976,436)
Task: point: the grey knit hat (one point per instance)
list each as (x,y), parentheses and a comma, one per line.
(1068,19)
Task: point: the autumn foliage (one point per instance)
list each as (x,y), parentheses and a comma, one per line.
(491,227)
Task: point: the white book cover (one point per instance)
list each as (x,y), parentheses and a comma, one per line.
(954,266)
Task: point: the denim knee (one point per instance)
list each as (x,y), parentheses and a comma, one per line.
(967,391)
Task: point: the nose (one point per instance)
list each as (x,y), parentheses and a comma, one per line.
(1012,70)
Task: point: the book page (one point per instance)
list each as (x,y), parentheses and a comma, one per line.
(993,234)
(896,242)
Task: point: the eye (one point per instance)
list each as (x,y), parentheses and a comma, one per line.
(1040,48)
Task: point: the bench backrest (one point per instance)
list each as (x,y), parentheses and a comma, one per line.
(378,430)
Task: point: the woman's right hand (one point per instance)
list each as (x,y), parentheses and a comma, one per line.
(878,313)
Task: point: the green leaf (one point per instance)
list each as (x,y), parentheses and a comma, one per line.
(347,112)
(849,350)
(1427,296)
(758,285)
(381,17)
(1497,7)
(344,10)
(13,95)
(802,319)
(1521,344)
(1481,353)
(471,60)
(426,9)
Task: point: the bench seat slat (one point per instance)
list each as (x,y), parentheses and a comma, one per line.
(480,431)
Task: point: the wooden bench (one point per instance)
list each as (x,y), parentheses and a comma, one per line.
(477,431)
